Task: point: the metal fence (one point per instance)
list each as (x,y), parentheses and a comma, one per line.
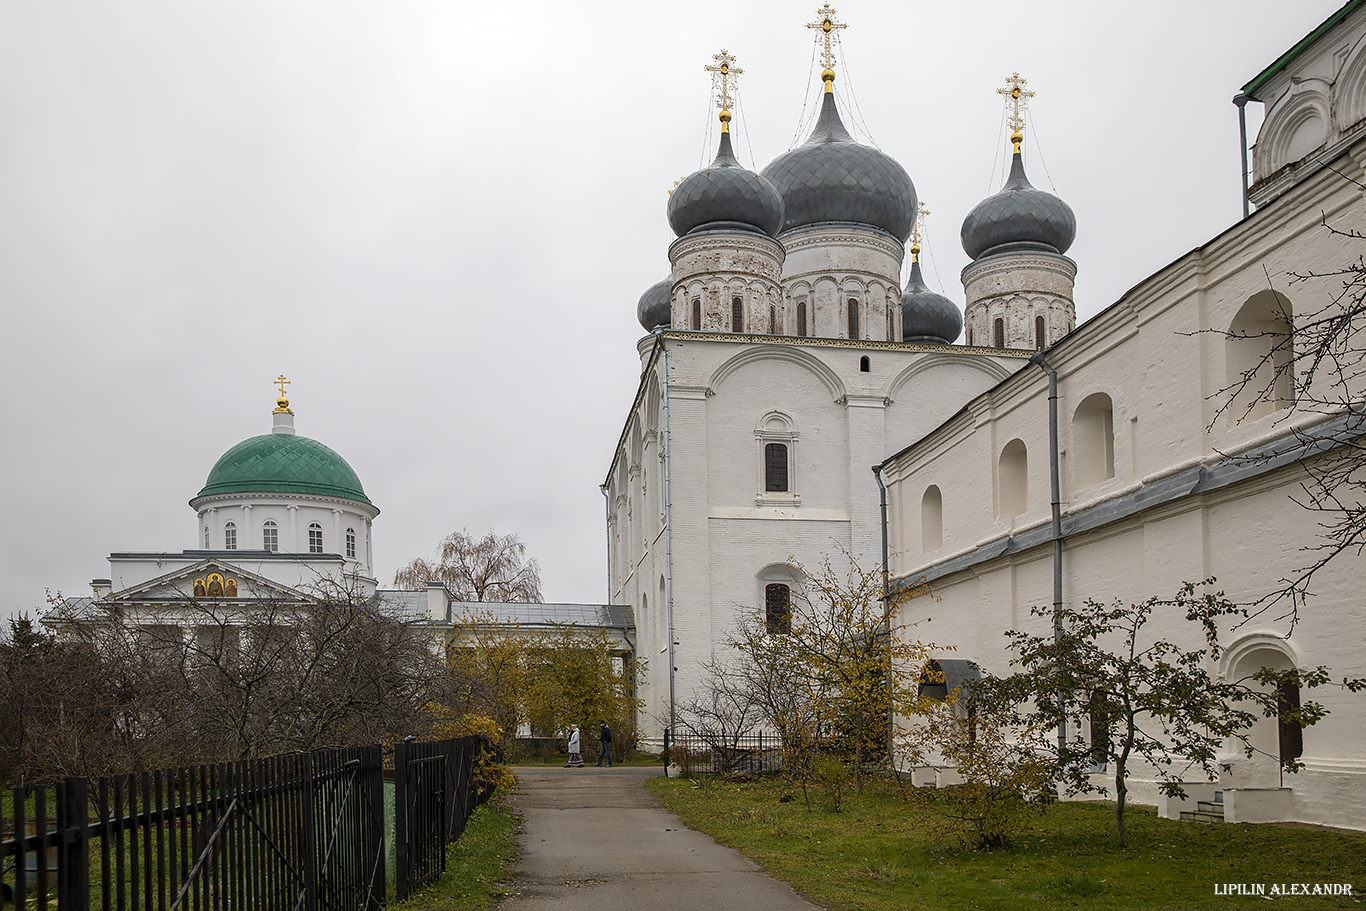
(434,794)
(302,832)
(735,754)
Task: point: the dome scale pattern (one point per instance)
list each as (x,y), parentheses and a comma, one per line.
(283,463)
(1020,216)
(725,191)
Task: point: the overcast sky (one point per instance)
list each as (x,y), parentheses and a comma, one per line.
(436,219)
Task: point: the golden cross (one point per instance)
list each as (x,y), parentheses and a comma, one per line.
(918,230)
(723,70)
(1017,96)
(829,34)
(281,382)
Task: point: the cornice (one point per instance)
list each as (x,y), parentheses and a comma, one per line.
(278,498)
(853,235)
(732,338)
(692,243)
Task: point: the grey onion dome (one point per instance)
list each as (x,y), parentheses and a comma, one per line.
(927,316)
(832,178)
(725,191)
(655,305)
(1021,217)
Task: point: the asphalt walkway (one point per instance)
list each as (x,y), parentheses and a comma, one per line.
(595,839)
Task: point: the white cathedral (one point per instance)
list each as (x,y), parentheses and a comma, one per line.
(785,358)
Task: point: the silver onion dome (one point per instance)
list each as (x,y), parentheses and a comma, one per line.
(654,307)
(1019,217)
(725,192)
(927,316)
(832,178)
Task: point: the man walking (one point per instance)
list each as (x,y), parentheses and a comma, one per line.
(604,745)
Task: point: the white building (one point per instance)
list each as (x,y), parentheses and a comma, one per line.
(784,361)
(1159,484)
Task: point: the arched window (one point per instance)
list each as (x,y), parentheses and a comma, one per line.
(230,536)
(853,318)
(1099,721)
(931,519)
(1040,333)
(801,319)
(1012,480)
(1258,353)
(891,326)
(777,608)
(933,683)
(737,315)
(775,467)
(864,365)
(270,536)
(351,543)
(999,327)
(772,320)
(315,538)
(1093,440)
(697,314)
(969,335)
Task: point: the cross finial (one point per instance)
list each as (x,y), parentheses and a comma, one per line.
(724,75)
(828,37)
(282,403)
(1017,96)
(918,230)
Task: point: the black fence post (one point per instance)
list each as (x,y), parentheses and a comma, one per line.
(309,849)
(376,784)
(666,753)
(73,856)
(401,845)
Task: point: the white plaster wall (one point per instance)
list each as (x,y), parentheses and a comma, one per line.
(828,265)
(292,515)
(1164,376)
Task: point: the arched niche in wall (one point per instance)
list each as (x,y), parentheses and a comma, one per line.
(1012,480)
(1093,440)
(1258,357)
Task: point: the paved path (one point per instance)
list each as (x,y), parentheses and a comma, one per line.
(594,839)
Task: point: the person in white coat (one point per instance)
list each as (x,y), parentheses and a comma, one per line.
(575,757)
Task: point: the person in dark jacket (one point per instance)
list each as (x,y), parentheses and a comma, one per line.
(605,745)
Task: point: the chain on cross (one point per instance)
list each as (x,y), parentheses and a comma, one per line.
(724,75)
(1017,96)
(828,35)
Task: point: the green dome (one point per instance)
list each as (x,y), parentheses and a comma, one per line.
(283,463)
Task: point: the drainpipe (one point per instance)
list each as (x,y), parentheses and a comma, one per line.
(607,518)
(886,610)
(1241,101)
(668,525)
(1056,486)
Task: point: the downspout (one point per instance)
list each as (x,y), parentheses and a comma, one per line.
(886,612)
(1056,486)
(607,518)
(668,524)
(1241,101)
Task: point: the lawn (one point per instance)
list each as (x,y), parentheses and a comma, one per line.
(879,852)
(476,865)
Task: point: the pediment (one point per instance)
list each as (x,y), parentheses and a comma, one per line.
(207,579)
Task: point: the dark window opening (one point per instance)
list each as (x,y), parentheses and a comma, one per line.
(772,320)
(891,327)
(737,315)
(1100,728)
(777,608)
(801,319)
(775,467)
(853,318)
(697,314)
(1000,326)
(1287,716)
(1039,332)
(863,365)
(933,683)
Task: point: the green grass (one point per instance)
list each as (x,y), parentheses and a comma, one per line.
(880,853)
(476,865)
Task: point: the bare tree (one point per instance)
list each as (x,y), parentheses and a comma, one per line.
(1315,360)
(491,568)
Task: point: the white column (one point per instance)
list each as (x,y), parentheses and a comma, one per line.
(337,543)
(294,532)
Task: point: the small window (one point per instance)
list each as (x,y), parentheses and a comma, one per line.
(270,536)
(737,315)
(969,335)
(697,314)
(778,608)
(933,683)
(206,537)
(772,320)
(853,318)
(1291,732)
(1040,333)
(351,543)
(801,319)
(775,467)
(1000,328)
(315,538)
(863,364)
(1099,721)
(230,536)
(891,326)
